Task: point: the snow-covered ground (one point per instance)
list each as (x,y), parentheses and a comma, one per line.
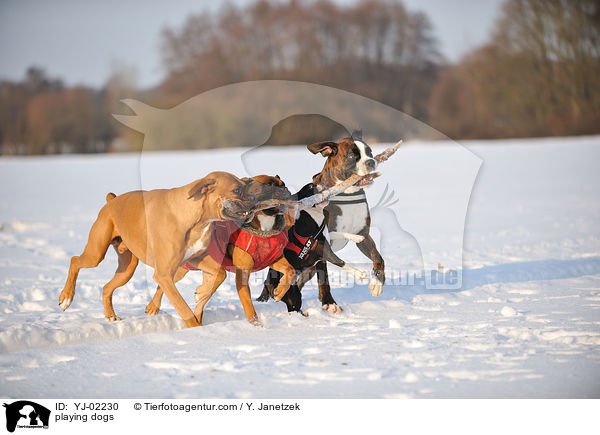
(526,322)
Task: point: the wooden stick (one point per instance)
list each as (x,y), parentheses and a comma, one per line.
(319,197)
(334,190)
(388,152)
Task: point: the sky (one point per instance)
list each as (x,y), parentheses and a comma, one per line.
(82,42)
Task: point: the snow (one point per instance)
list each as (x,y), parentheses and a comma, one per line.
(525,323)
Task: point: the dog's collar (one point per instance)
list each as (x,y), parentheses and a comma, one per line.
(358,192)
(349,198)
(277,228)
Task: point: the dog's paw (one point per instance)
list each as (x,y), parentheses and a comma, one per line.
(333,308)
(152,310)
(263,298)
(65,303)
(360,274)
(112,318)
(355,238)
(376,286)
(357,273)
(349,236)
(278,296)
(256,322)
(302,313)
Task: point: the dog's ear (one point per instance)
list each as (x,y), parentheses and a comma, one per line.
(201,188)
(325,148)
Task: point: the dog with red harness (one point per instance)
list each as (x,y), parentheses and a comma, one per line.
(264,249)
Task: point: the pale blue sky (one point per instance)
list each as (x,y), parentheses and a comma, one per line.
(80,40)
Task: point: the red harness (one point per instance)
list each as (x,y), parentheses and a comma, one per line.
(264,250)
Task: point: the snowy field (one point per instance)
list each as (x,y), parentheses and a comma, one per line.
(525,324)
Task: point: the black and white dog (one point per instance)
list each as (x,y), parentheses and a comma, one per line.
(347,214)
(307,248)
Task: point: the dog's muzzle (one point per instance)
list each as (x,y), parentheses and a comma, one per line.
(371,164)
(236,212)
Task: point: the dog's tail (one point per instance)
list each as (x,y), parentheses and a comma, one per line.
(110,196)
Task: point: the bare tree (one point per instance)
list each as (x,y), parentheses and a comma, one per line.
(373,47)
(538,76)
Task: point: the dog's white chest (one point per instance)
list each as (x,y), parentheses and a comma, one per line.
(352,219)
(266,222)
(199,245)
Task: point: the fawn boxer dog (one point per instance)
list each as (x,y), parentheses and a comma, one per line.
(255,246)
(163,228)
(347,214)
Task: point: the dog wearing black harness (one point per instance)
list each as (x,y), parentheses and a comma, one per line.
(307,246)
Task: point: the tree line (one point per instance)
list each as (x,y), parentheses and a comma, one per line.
(40,115)
(538,75)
